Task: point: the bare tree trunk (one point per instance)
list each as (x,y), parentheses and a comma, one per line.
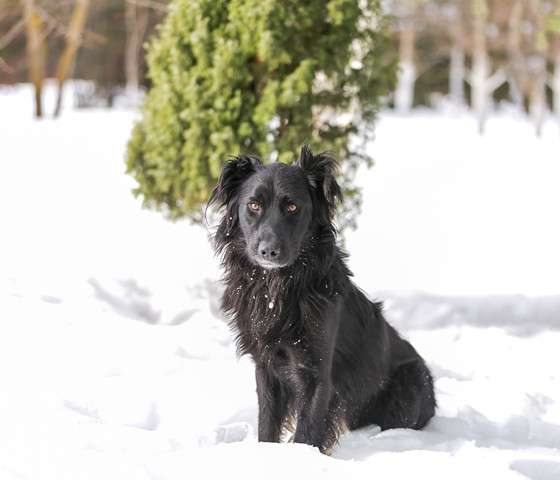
(537,69)
(136,26)
(516,62)
(555,77)
(457,62)
(404,92)
(537,101)
(73,41)
(35,52)
(555,84)
(480,65)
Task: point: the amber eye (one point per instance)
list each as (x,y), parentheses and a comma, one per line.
(291,207)
(254,206)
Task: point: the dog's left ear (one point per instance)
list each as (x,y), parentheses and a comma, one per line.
(321,172)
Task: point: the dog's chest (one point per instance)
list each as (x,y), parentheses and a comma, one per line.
(270,317)
(276,315)
(263,295)
(265,308)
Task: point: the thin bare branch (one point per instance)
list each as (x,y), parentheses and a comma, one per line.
(5,67)
(12,34)
(496,80)
(153,4)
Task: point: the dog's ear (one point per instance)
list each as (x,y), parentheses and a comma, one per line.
(321,172)
(234,173)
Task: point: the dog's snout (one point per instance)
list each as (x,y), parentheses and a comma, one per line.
(269,250)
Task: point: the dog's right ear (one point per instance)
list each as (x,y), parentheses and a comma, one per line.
(225,194)
(234,173)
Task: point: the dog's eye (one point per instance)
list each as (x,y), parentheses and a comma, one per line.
(254,206)
(291,207)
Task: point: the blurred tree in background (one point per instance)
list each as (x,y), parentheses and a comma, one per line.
(253,76)
(100,41)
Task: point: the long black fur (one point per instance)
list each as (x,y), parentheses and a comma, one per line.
(325,357)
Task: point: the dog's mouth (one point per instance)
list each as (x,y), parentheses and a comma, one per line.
(276,262)
(269,265)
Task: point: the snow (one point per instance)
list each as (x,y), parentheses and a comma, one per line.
(115,362)
(453,212)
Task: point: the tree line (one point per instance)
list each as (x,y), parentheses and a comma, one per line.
(473,53)
(477,52)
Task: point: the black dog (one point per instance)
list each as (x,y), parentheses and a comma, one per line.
(325,357)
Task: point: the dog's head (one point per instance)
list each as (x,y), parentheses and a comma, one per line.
(272,210)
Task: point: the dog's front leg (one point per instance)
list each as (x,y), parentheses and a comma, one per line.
(271,406)
(313,421)
(316,424)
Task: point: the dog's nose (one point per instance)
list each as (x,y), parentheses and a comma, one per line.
(269,250)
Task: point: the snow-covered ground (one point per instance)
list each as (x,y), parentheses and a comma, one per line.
(115,362)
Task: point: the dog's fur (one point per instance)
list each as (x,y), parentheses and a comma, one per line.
(325,357)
